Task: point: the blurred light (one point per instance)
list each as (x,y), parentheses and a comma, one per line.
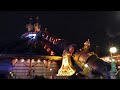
(50,40)
(16,59)
(52,53)
(86,65)
(54,41)
(118,60)
(10,72)
(47,37)
(45,46)
(33,36)
(22,60)
(44,60)
(48,49)
(38,60)
(113,50)
(50,69)
(28,60)
(33,60)
(113,60)
(119,67)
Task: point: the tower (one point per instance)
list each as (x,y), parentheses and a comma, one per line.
(29,26)
(37,26)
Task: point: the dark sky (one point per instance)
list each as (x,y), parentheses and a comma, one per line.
(74,26)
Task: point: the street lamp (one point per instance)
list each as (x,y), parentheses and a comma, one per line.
(113,50)
(113,66)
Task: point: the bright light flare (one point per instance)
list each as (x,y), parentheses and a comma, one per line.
(22,60)
(86,65)
(33,36)
(113,50)
(50,69)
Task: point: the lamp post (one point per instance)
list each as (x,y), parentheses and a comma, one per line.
(113,66)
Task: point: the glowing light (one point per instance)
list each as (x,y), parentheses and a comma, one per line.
(119,67)
(50,39)
(76,73)
(113,50)
(32,36)
(33,60)
(38,60)
(28,60)
(10,72)
(47,37)
(44,60)
(50,69)
(45,46)
(48,49)
(16,59)
(118,60)
(113,60)
(22,60)
(43,35)
(86,65)
(52,53)
(54,41)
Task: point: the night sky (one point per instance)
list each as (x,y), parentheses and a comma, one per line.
(101,27)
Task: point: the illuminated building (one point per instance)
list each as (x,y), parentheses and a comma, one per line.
(40,53)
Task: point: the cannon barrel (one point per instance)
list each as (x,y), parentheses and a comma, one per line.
(90,58)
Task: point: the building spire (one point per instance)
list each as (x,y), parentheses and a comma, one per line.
(86,45)
(37,26)
(29,26)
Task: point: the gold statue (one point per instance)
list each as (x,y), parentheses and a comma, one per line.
(86,45)
(67,68)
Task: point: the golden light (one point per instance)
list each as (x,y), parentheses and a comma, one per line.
(113,50)
(38,60)
(86,65)
(51,57)
(66,68)
(52,53)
